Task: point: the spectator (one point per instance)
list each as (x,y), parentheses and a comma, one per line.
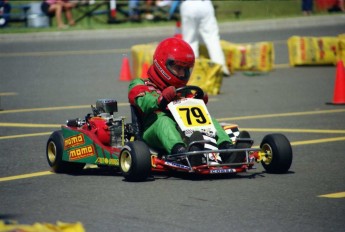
(56,7)
(133,10)
(341,5)
(198,18)
(5,9)
(161,9)
(307,7)
(337,7)
(137,7)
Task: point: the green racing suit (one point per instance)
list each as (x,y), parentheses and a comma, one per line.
(159,128)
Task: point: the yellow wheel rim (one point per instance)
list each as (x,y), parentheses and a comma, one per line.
(126,161)
(267,159)
(51,152)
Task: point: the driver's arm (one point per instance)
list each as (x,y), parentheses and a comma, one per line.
(141,97)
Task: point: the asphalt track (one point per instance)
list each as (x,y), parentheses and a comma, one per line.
(44,82)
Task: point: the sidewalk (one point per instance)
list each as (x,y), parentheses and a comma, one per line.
(228,27)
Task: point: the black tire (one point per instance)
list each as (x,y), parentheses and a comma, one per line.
(54,152)
(240,156)
(196,160)
(244,135)
(279,153)
(135,161)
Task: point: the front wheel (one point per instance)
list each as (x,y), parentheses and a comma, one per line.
(278,151)
(135,161)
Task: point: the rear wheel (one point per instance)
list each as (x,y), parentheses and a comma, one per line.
(278,153)
(135,161)
(54,152)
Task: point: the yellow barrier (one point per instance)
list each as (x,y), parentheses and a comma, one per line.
(207,75)
(46,227)
(245,57)
(313,50)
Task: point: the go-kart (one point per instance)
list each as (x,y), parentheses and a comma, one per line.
(105,140)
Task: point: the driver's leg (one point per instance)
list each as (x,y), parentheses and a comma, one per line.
(162,134)
(222,136)
(224,142)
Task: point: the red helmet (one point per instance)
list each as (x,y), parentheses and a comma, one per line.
(173,62)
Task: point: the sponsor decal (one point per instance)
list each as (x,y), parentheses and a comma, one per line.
(81,153)
(321,49)
(303,49)
(177,165)
(106,161)
(263,56)
(243,57)
(217,171)
(161,70)
(73,141)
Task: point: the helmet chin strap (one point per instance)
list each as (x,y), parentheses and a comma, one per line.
(156,79)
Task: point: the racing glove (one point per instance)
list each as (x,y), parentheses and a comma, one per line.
(168,94)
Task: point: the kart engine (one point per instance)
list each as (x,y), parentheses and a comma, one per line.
(109,130)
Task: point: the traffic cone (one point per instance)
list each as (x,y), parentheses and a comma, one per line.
(178,33)
(144,70)
(339,87)
(125,72)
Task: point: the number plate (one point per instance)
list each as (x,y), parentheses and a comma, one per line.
(192,115)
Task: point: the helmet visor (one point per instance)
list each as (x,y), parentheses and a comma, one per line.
(179,69)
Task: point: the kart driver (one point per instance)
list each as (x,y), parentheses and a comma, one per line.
(173,62)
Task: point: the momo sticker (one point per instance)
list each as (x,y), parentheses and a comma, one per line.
(74,141)
(81,153)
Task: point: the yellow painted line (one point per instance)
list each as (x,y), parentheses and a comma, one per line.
(63,53)
(281,130)
(317,141)
(34,125)
(291,130)
(282,115)
(52,108)
(219,119)
(24,135)
(44,109)
(8,94)
(334,195)
(314,141)
(30,175)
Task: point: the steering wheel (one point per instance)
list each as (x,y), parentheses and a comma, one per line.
(195,90)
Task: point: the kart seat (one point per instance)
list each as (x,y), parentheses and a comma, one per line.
(136,123)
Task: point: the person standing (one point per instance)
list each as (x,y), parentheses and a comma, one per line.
(307,7)
(198,19)
(5,9)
